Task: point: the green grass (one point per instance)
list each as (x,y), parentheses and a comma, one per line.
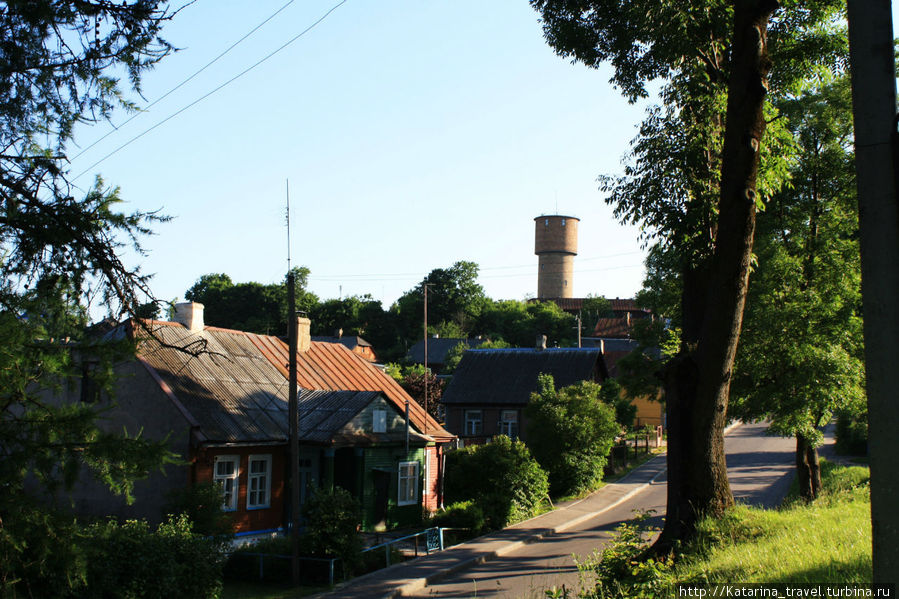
(826,541)
(251,590)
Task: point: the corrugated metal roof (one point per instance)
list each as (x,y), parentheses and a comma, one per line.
(616,328)
(331,366)
(509,376)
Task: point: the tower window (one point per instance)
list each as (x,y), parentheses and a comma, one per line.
(563,222)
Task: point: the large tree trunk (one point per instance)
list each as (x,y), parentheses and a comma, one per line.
(698,380)
(808,469)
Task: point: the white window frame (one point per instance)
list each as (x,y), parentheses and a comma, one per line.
(408,483)
(506,425)
(255,486)
(223,479)
(479,421)
(426,473)
(379,420)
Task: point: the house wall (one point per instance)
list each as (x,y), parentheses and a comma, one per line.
(362,422)
(246,519)
(651,412)
(137,406)
(455,422)
(387,460)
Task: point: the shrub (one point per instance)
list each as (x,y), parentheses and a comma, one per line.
(202,504)
(570,432)
(462,514)
(852,434)
(501,477)
(132,561)
(332,523)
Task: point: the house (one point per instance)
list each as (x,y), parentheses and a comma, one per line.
(219,397)
(354,343)
(491,387)
(438,348)
(649,411)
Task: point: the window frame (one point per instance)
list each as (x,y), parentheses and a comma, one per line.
(267,480)
(234,477)
(467,421)
(505,426)
(379,416)
(412,480)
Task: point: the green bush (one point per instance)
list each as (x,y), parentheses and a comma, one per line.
(462,514)
(852,434)
(570,432)
(501,477)
(332,526)
(202,504)
(131,561)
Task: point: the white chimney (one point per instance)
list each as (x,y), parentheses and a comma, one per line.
(541,341)
(190,314)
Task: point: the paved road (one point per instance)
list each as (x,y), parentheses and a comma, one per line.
(760,469)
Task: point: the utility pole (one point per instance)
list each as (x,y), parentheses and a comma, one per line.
(876,145)
(427,379)
(293,414)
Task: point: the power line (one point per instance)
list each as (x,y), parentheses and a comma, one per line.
(168,93)
(226,83)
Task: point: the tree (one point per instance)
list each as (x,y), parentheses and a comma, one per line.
(693,183)
(570,433)
(252,307)
(800,359)
(417,382)
(59,253)
(518,323)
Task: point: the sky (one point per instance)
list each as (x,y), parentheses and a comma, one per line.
(410,135)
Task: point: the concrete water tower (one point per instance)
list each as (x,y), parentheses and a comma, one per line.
(555,243)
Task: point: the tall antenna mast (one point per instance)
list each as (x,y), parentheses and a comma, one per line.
(288,223)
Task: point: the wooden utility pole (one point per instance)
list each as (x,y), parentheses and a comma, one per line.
(874,111)
(293,414)
(427,379)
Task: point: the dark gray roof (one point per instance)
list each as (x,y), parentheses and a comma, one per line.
(323,415)
(509,376)
(437,349)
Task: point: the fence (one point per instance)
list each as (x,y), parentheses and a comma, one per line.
(621,451)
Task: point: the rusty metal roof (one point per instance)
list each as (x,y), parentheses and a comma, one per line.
(331,366)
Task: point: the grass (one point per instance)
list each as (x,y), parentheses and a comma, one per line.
(827,541)
(261,590)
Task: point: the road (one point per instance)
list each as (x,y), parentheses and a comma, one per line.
(760,469)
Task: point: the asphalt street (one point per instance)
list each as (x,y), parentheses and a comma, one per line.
(759,467)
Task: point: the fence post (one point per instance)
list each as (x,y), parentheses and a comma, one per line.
(387,552)
(261,571)
(416,546)
(440,536)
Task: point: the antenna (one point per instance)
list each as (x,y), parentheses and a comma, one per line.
(288,223)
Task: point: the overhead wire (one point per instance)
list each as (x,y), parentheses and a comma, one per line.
(203,97)
(174,89)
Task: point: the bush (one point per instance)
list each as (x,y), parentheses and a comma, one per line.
(570,432)
(462,514)
(501,477)
(202,504)
(131,561)
(332,524)
(852,434)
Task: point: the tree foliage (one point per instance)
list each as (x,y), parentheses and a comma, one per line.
(253,307)
(60,248)
(800,361)
(570,432)
(702,165)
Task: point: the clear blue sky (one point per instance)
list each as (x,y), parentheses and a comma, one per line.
(413,134)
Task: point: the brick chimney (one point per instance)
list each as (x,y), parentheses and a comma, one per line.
(304,339)
(190,314)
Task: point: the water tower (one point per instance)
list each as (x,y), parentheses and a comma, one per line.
(555,243)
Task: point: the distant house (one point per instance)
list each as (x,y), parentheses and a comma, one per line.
(220,398)
(649,411)
(491,387)
(438,348)
(354,343)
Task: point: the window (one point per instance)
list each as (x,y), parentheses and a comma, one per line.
(474,422)
(508,423)
(545,222)
(379,421)
(427,473)
(305,479)
(563,222)
(408,484)
(225,470)
(259,482)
